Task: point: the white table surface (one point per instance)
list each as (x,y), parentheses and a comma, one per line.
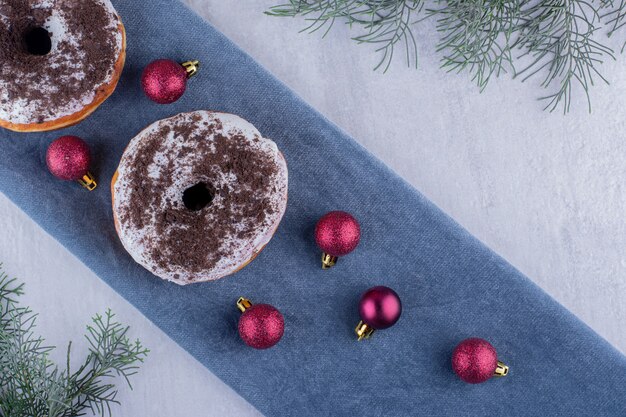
(546,191)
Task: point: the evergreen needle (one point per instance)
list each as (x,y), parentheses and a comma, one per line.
(31,385)
(556,40)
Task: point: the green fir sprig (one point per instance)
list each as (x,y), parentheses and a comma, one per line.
(31,385)
(556,40)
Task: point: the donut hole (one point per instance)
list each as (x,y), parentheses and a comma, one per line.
(38,41)
(199,196)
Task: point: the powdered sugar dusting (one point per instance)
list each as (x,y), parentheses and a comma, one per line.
(39,97)
(243,237)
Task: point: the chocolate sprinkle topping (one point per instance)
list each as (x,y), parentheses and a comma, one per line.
(53,84)
(195,240)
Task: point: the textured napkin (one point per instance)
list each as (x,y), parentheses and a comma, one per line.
(451,285)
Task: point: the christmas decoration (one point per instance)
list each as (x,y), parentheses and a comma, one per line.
(31,385)
(559,42)
(379,308)
(68,159)
(164,81)
(337,234)
(261,326)
(475,360)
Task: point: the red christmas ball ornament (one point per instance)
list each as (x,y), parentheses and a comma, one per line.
(164,81)
(261,326)
(475,360)
(68,158)
(337,234)
(380,308)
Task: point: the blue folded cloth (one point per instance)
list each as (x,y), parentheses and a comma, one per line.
(451,285)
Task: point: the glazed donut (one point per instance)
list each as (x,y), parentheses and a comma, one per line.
(59,60)
(197,196)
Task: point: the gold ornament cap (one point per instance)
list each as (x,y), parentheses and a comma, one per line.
(88,181)
(363,331)
(501,370)
(243,304)
(191,67)
(328,261)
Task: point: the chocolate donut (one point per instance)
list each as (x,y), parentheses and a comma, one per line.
(59,60)
(197,196)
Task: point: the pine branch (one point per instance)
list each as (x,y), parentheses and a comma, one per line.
(614,16)
(476,36)
(383,23)
(111,354)
(556,39)
(31,385)
(557,34)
